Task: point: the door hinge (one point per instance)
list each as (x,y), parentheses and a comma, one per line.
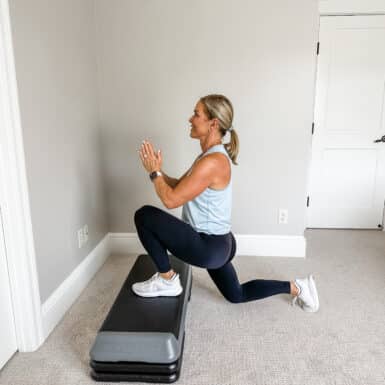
(318,48)
(307,201)
(312,128)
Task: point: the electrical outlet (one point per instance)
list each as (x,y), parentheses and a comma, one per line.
(283,217)
(85,233)
(80,238)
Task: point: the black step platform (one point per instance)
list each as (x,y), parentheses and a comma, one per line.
(142,338)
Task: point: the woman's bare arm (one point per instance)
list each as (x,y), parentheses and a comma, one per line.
(190,185)
(172,182)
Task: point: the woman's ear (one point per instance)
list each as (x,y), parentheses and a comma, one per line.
(212,124)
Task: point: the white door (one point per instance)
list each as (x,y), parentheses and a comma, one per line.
(347,173)
(8,344)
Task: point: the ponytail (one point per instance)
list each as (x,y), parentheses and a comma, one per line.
(232,147)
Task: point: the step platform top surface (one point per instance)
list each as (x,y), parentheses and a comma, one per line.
(132,313)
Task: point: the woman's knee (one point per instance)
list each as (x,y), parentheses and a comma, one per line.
(226,280)
(142,213)
(235,297)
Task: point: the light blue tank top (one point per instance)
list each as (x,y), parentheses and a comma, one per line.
(210,212)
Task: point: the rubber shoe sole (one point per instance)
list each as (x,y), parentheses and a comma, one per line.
(314,293)
(163,293)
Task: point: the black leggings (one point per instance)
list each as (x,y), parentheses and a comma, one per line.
(160,231)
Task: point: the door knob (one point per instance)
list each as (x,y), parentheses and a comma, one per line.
(380,140)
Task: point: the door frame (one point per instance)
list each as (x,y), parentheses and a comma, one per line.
(327,9)
(16,214)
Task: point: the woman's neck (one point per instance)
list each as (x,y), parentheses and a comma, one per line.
(206,146)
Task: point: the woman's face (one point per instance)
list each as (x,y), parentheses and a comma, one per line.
(200,123)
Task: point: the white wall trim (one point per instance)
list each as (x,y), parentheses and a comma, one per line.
(59,302)
(125,243)
(257,245)
(271,245)
(15,202)
(351,7)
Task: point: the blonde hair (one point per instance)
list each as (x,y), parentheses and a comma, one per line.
(218,106)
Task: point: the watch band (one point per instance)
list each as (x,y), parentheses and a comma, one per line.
(155,174)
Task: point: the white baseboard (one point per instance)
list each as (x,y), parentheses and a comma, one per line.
(271,245)
(257,245)
(55,307)
(125,243)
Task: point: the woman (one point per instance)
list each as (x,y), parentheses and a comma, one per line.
(203,237)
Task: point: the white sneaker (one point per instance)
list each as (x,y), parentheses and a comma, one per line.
(308,296)
(157,286)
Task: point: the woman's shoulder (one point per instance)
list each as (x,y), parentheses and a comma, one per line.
(218,164)
(214,157)
(218,158)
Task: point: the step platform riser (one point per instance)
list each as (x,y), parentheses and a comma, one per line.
(141,338)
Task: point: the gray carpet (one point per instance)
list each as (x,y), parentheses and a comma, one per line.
(265,342)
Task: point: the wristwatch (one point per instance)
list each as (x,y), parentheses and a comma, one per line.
(155,174)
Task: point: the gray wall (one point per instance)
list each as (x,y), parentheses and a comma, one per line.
(56,73)
(157,57)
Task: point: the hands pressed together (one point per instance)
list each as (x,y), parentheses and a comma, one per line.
(152,161)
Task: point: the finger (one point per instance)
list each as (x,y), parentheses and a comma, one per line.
(143,157)
(151,149)
(144,152)
(144,148)
(148,147)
